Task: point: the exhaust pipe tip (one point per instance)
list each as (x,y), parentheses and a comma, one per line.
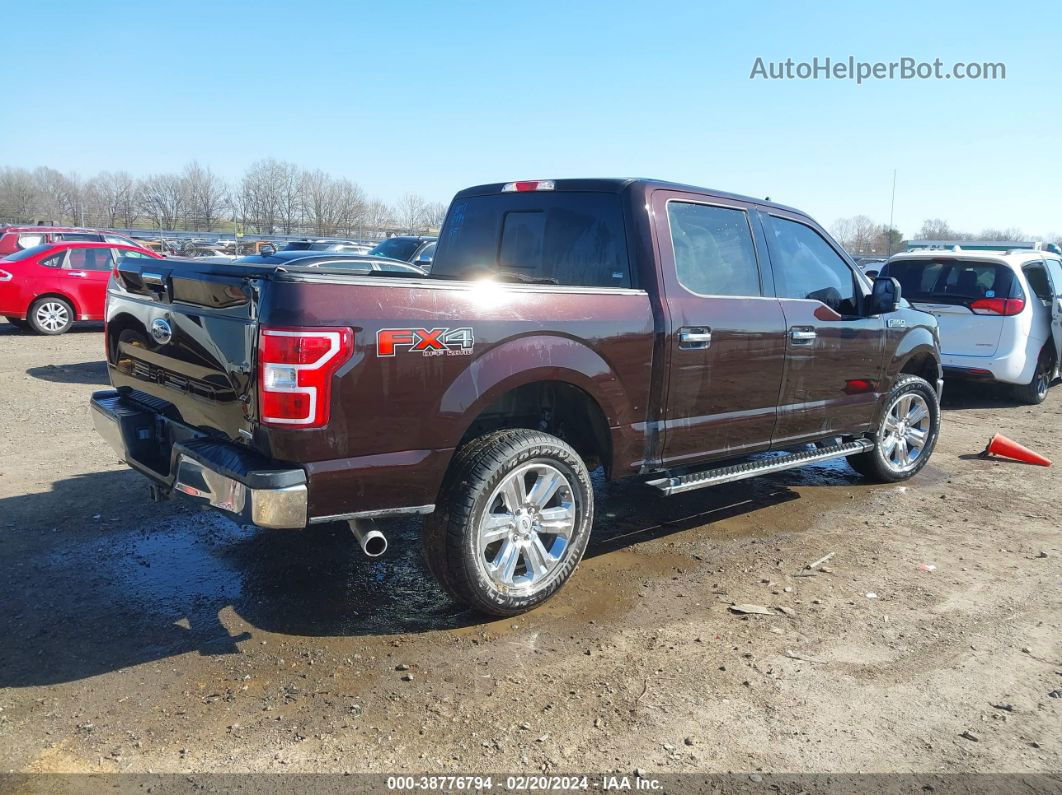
(373,542)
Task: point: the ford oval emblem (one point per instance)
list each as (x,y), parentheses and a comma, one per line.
(161,331)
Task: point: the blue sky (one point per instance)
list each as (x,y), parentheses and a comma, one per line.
(431,97)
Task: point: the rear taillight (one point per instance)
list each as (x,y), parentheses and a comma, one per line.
(997,306)
(295,370)
(520,187)
(5,276)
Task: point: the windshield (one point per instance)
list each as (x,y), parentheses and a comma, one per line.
(396,248)
(26,253)
(948,280)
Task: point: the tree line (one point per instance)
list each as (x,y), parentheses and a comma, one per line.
(271,197)
(860,234)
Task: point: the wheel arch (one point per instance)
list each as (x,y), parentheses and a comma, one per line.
(54,294)
(572,377)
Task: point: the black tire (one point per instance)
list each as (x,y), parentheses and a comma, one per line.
(470,493)
(1035,392)
(877,464)
(51,316)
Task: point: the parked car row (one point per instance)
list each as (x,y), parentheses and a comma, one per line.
(999,311)
(55,282)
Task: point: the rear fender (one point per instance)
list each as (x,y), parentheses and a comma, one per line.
(525,360)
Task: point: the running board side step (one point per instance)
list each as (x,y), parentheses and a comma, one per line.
(714,477)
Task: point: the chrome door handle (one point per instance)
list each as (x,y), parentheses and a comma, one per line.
(695,337)
(79,274)
(802,336)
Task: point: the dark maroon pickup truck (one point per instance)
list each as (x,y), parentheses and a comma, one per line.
(656,330)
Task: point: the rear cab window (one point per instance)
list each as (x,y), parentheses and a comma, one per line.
(569,238)
(952,280)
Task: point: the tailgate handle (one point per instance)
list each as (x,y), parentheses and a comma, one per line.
(152,278)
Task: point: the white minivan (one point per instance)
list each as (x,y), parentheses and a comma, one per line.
(999,313)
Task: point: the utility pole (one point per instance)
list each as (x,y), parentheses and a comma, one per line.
(892,211)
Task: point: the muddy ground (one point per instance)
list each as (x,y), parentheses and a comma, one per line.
(142,637)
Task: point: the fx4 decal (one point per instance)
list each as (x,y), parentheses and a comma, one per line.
(427,342)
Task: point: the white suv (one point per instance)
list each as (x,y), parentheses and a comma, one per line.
(1000,313)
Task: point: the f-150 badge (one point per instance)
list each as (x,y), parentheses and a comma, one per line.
(427,342)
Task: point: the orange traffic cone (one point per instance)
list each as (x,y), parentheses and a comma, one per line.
(1001,445)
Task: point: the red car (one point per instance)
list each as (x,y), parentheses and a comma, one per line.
(17,238)
(48,287)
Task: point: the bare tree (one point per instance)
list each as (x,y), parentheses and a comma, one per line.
(270,196)
(936,229)
(378,216)
(411,212)
(20,198)
(352,206)
(208,196)
(289,194)
(112,198)
(858,234)
(1011,233)
(843,231)
(434,215)
(60,195)
(164,199)
(330,205)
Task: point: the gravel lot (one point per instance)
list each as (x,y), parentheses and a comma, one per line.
(141,637)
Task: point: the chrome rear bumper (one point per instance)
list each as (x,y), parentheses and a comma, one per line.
(184,461)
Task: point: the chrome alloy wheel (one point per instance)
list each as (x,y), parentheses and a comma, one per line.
(905,431)
(525,532)
(52,315)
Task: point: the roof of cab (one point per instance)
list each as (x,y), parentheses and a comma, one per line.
(619,184)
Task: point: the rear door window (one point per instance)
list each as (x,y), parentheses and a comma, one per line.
(714,253)
(952,281)
(566,238)
(90,259)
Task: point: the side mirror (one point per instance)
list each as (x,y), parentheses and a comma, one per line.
(885,297)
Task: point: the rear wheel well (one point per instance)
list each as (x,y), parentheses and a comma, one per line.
(557,408)
(924,365)
(65,298)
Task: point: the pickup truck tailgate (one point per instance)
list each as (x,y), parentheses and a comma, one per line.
(185,333)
